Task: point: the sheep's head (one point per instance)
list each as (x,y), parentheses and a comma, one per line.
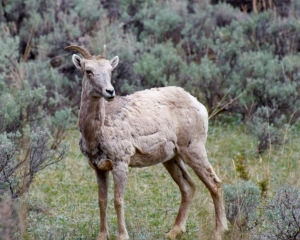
(97,72)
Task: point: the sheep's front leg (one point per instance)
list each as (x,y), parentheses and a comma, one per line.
(102,180)
(120,172)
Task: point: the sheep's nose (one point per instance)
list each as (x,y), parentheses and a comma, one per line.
(111,92)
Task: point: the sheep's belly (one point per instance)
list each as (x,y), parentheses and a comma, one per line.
(158,154)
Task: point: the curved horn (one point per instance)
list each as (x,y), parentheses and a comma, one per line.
(85,53)
(103,55)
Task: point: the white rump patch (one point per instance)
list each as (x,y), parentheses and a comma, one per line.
(202,111)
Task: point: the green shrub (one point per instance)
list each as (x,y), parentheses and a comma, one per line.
(282,215)
(33,115)
(266,127)
(241,202)
(20,160)
(162,23)
(162,66)
(277,218)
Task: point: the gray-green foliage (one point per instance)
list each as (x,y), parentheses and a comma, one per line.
(272,218)
(241,202)
(162,23)
(19,165)
(282,215)
(27,127)
(279,218)
(270,96)
(243,54)
(266,82)
(264,125)
(161,66)
(246,62)
(33,112)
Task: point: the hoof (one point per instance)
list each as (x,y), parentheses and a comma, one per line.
(219,234)
(123,237)
(220,230)
(174,232)
(102,236)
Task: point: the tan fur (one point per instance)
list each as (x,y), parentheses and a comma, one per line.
(160,125)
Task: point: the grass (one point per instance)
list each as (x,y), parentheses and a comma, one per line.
(62,202)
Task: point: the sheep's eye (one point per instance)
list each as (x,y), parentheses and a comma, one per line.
(88,72)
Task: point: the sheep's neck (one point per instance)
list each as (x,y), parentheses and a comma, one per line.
(91,116)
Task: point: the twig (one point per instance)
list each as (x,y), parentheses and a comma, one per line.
(286,131)
(28,46)
(216,112)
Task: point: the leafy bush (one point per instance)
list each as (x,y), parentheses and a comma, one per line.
(266,128)
(241,202)
(162,66)
(282,215)
(30,138)
(21,159)
(33,115)
(277,218)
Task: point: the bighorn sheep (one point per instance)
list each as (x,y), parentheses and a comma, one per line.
(161,125)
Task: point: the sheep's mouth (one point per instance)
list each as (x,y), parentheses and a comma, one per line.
(109,99)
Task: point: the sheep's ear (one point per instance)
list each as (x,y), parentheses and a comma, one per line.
(114,61)
(77,61)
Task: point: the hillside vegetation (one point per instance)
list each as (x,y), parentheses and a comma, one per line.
(242,63)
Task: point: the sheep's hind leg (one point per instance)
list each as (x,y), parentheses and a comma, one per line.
(180,175)
(120,172)
(195,156)
(103,180)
